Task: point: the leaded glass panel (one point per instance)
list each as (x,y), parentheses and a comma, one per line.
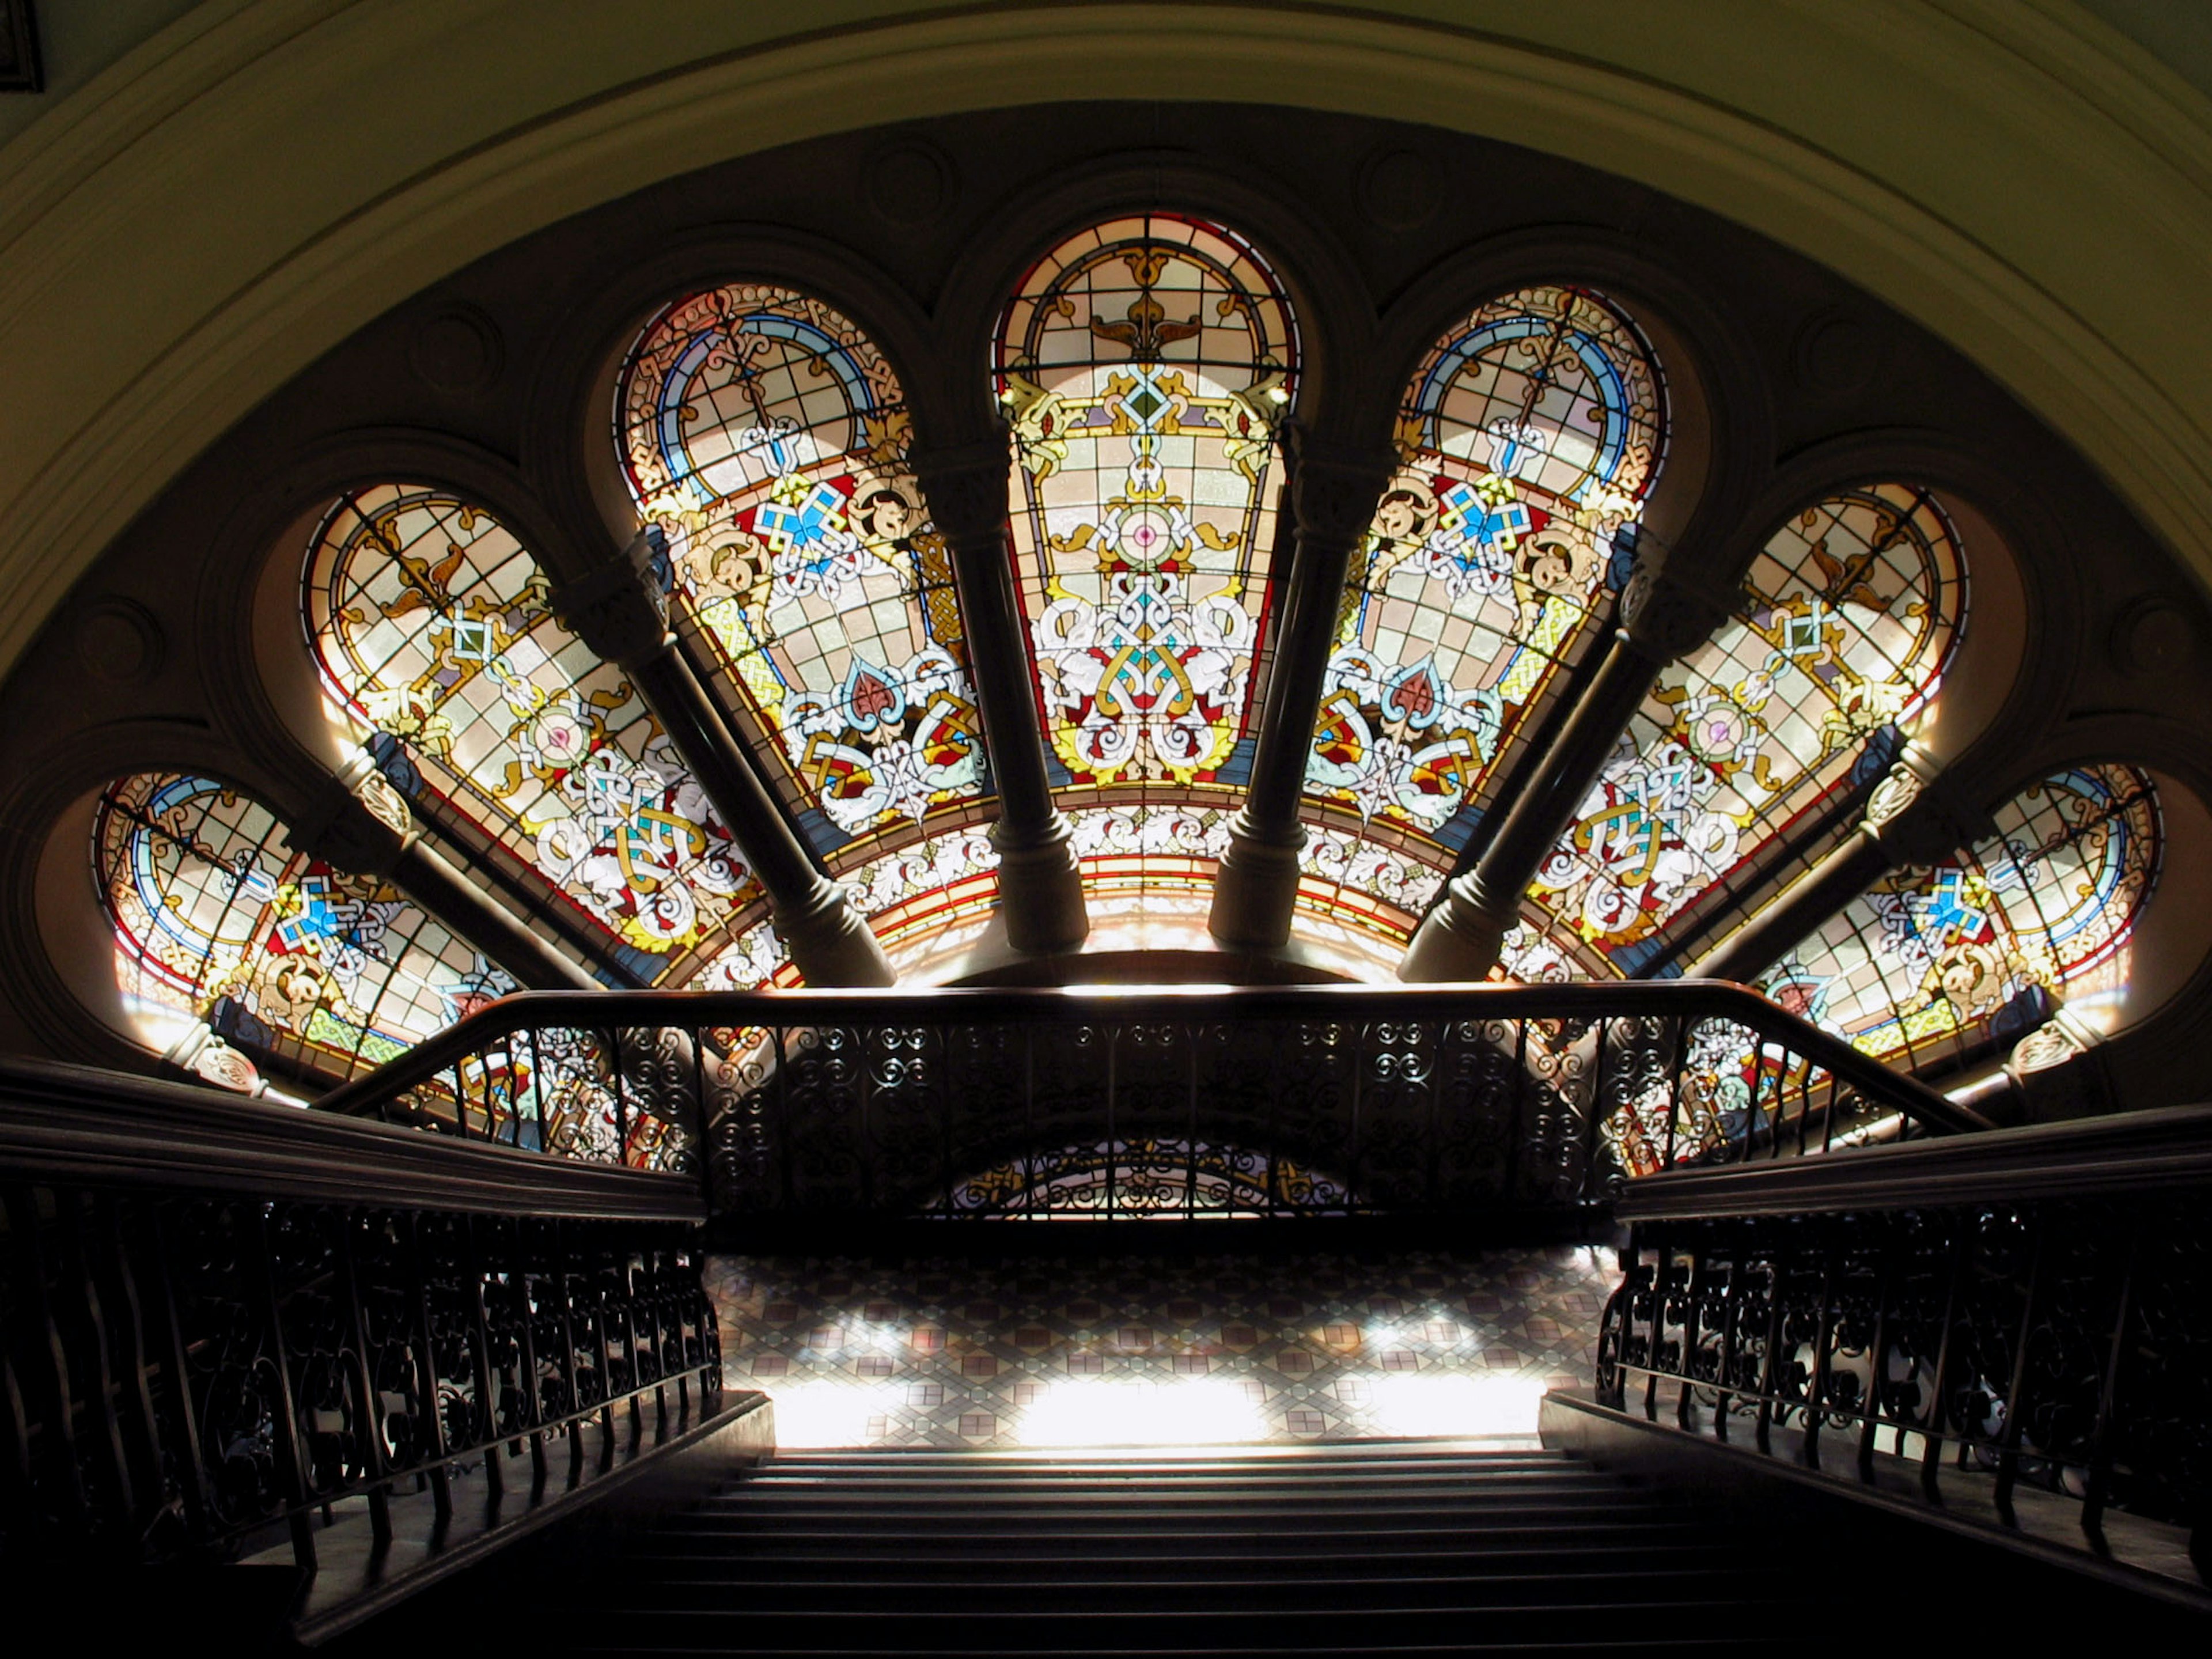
(1794,705)
(434,631)
(1929,961)
(219,918)
(1144,365)
(767,437)
(1530,433)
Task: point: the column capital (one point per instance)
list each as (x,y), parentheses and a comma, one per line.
(965,485)
(2059,1070)
(1335,486)
(621,610)
(1920,816)
(1669,606)
(356,820)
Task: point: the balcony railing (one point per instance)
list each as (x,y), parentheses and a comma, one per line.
(225,1321)
(2012,1310)
(1154,1101)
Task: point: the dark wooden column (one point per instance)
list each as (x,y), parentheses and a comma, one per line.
(620,612)
(1040,887)
(359,823)
(1667,608)
(1332,491)
(1917,816)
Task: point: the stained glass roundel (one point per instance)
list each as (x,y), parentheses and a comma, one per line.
(1144,365)
(1795,706)
(437,642)
(218,918)
(767,436)
(1930,960)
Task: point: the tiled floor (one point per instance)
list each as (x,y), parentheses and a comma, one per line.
(953,1353)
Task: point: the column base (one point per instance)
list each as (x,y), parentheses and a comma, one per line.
(1040,889)
(1458,942)
(1255,889)
(830,943)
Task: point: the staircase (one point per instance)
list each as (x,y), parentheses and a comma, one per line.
(1370,1548)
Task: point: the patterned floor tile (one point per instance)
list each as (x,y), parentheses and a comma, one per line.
(957,1353)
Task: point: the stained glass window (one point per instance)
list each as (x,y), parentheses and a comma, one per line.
(1794,705)
(218,918)
(1144,365)
(1930,960)
(767,437)
(1530,433)
(433,628)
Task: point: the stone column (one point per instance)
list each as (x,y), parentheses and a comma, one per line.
(1665,611)
(621,613)
(1917,816)
(1333,492)
(1040,886)
(358,822)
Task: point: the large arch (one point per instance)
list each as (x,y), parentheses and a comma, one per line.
(1884,139)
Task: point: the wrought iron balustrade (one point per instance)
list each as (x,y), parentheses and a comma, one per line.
(1151,1102)
(2023,1308)
(223,1318)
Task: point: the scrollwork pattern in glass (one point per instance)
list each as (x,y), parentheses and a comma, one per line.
(767,436)
(434,631)
(1796,703)
(219,918)
(1930,960)
(1530,433)
(1144,365)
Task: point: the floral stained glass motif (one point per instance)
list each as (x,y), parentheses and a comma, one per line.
(219,918)
(1931,960)
(767,437)
(1794,705)
(1530,434)
(434,631)
(1144,365)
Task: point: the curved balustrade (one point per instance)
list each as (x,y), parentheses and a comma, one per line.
(1157,1101)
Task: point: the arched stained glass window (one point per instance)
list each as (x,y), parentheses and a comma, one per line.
(1794,705)
(1530,433)
(434,629)
(1930,962)
(1145,365)
(767,437)
(219,918)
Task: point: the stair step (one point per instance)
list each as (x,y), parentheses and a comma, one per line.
(1118,1480)
(990,1630)
(1609,1527)
(1572,1552)
(1286,1596)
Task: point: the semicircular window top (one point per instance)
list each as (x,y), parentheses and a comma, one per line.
(767,436)
(1530,433)
(1760,743)
(1929,962)
(434,632)
(220,922)
(1145,366)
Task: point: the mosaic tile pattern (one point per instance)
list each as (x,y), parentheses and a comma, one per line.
(953,1353)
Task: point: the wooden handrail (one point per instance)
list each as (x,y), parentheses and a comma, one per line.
(81,1126)
(2132,1152)
(1208,1004)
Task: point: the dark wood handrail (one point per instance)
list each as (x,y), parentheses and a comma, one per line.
(79,1126)
(939,1007)
(2133,1152)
